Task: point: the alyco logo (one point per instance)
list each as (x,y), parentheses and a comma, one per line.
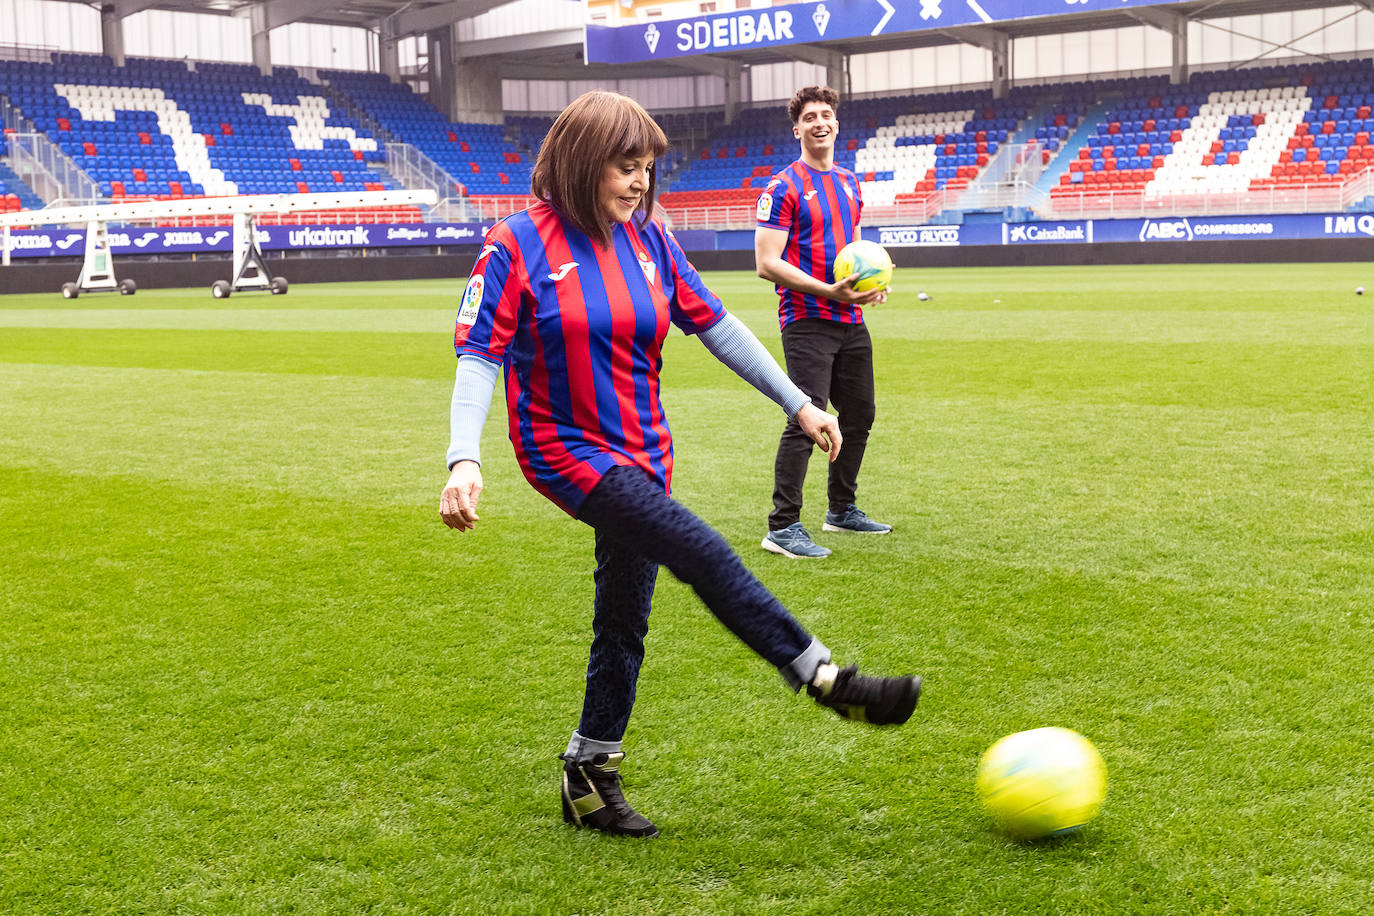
(919,235)
(1166,230)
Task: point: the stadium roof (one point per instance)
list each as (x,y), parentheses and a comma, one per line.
(412,16)
(557,54)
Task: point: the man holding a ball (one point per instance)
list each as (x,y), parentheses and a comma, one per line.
(807,214)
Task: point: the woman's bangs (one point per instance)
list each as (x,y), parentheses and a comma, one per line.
(639,135)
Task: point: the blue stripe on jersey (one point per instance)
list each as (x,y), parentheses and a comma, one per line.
(599,336)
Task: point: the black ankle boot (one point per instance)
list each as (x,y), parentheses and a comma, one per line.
(876,700)
(592,797)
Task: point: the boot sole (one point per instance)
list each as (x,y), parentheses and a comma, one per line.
(829,527)
(774,547)
(568,818)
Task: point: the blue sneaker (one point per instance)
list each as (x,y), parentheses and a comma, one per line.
(794,542)
(853,519)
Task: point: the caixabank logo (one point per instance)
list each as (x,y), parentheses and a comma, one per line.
(1166,230)
(1029,233)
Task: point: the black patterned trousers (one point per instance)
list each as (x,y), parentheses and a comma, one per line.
(639,528)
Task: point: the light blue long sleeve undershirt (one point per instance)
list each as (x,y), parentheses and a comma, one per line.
(728,340)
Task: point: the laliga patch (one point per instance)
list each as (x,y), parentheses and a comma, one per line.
(765,206)
(472,301)
(647,266)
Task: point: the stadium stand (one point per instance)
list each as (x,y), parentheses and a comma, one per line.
(903,149)
(1285,129)
(478,156)
(154,129)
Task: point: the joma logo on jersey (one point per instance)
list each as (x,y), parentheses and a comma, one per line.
(472,301)
(562,271)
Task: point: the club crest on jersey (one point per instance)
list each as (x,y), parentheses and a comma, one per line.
(647,266)
(765,206)
(562,271)
(472,300)
(847,193)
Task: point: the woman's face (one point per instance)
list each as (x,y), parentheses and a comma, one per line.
(624,182)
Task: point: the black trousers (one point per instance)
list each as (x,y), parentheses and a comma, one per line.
(831,362)
(638,528)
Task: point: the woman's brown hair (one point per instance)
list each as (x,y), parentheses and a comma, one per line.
(595,129)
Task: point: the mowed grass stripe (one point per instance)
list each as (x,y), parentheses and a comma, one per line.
(1289,374)
(359,354)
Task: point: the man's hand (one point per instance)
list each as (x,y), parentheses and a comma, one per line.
(844,291)
(822,427)
(458,503)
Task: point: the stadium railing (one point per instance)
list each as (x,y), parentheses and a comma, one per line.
(1132,204)
(49,171)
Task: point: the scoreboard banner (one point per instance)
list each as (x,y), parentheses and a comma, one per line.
(801,23)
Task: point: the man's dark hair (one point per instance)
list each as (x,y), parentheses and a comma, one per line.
(812,94)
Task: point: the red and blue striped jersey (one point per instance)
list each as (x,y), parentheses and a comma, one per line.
(819,211)
(579,330)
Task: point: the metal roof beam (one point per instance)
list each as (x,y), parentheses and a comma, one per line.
(979,36)
(815,54)
(1164,20)
(712,64)
(419,22)
(516,44)
(125,8)
(285,12)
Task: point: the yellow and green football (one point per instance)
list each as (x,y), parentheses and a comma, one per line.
(1043,782)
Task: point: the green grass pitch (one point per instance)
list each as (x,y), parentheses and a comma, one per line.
(244,669)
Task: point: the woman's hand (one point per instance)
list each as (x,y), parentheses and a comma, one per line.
(822,427)
(458,503)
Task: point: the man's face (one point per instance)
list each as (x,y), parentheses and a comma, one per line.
(816,128)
